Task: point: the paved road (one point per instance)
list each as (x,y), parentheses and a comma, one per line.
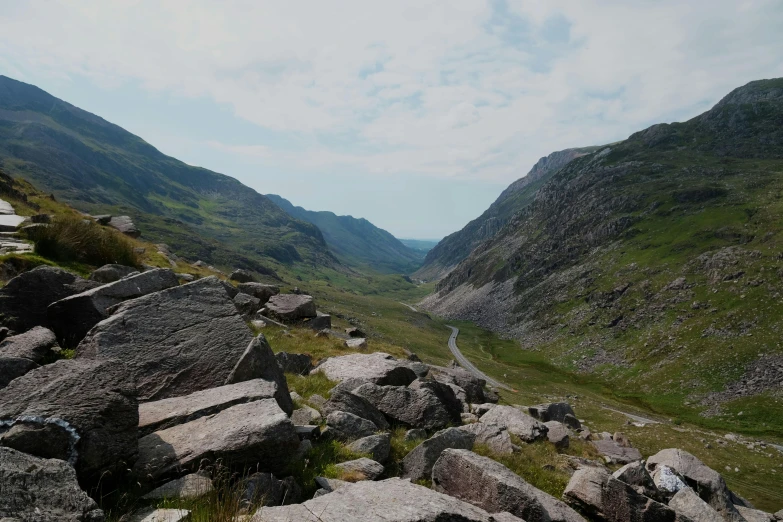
(637,418)
(465,363)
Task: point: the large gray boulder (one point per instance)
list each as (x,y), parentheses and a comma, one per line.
(445,394)
(240,275)
(290,308)
(260,291)
(491,435)
(417,464)
(258,361)
(495,488)
(636,475)
(378,368)
(517,423)
(89,403)
(247,305)
(707,482)
(412,408)
(24,299)
(473,386)
(125,225)
(615,453)
(246,435)
(391,500)
(71,318)
(166,413)
(342,400)
(188,487)
(555,411)
(174,342)
(557,434)
(21,353)
(687,502)
(110,273)
(346,426)
(595,492)
(756,515)
(377,446)
(266,490)
(361,469)
(42,490)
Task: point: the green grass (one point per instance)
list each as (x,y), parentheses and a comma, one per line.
(308,385)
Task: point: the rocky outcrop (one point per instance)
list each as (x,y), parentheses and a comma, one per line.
(377,446)
(616,453)
(347,426)
(517,423)
(241,275)
(445,394)
(21,353)
(260,291)
(687,502)
(495,488)
(473,386)
(125,225)
(557,434)
(491,435)
(342,400)
(290,308)
(400,405)
(556,411)
(378,368)
(258,361)
(417,464)
(361,469)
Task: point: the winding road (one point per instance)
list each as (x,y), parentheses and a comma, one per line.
(465,363)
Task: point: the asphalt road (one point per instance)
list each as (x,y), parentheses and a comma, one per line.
(465,363)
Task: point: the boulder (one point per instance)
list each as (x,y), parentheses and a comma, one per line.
(320,322)
(21,353)
(91,404)
(596,493)
(755,515)
(357,343)
(347,426)
(557,434)
(298,363)
(517,423)
(445,395)
(110,273)
(615,453)
(125,225)
(417,464)
(260,291)
(258,361)
(468,418)
(390,500)
(377,446)
(379,368)
(188,487)
(174,342)
(151,514)
(24,299)
(13,367)
(495,488)
(480,409)
(667,481)
(355,332)
(316,401)
(71,318)
(166,413)
(415,434)
(473,386)
(305,416)
(622,440)
(342,400)
(241,275)
(35,489)
(246,305)
(231,290)
(361,469)
(555,411)
(491,435)
(266,490)
(636,475)
(252,434)
(291,307)
(413,408)
(708,483)
(687,502)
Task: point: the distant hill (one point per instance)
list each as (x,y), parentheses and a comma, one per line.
(420,245)
(357,242)
(457,246)
(99,167)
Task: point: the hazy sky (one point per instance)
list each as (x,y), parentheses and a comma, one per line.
(414,114)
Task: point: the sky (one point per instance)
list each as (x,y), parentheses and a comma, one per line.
(412,114)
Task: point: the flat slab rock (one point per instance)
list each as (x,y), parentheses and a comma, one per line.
(415,408)
(21,353)
(379,368)
(616,453)
(291,307)
(165,413)
(516,422)
(362,469)
(391,500)
(492,435)
(255,433)
(38,489)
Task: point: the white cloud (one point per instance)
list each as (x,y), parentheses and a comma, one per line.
(417,87)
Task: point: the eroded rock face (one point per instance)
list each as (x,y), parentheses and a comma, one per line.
(378,368)
(174,342)
(637,476)
(495,488)
(258,362)
(91,403)
(391,500)
(523,426)
(687,502)
(473,386)
(445,394)
(38,489)
(291,307)
(342,400)
(110,273)
(555,411)
(418,463)
(347,426)
(414,408)
(557,434)
(255,433)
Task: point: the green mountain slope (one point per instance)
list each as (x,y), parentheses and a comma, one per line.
(457,246)
(655,262)
(357,242)
(99,167)
(420,245)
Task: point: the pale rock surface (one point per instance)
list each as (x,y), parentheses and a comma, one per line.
(687,502)
(415,408)
(418,463)
(377,446)
(379,368)
(188,487)
(363,467)
(492,435)
(516,422)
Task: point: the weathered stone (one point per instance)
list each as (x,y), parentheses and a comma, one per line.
(379,368)
(347,426)
(252,434)
(355,332)
(480,409)
(305,415)
(110,273)
(667,481)
(298,363)
(166,413)
(517,423)
(258,361)
(473,386)
(418,463)
(622,440)
(260,291)
(415,434)
(241,275)
(377,446)
(125,225)
(556,411)
(71,318)
(413,408)
(572,422)
(361,469)
(636,475)
(468,418)
(687,502)
(266,490)
(23,301)
(316,401)
(177,341)
(190,486)
(41,490)
(231,290)
(247,305)
(13,367)
(151,514)
(445,395)
(320,322)
(709,483)
(495,488)
(91,403)
(595,492)
(615,453)
(754,515)
(357,343)
(291,307)
(491,435)
(391,500)
(342,400)
(20,354)
(557,434)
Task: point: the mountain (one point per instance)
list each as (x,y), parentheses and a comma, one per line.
(357,242)
(420,245)
(457,246)
(99,167)
(654,262)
